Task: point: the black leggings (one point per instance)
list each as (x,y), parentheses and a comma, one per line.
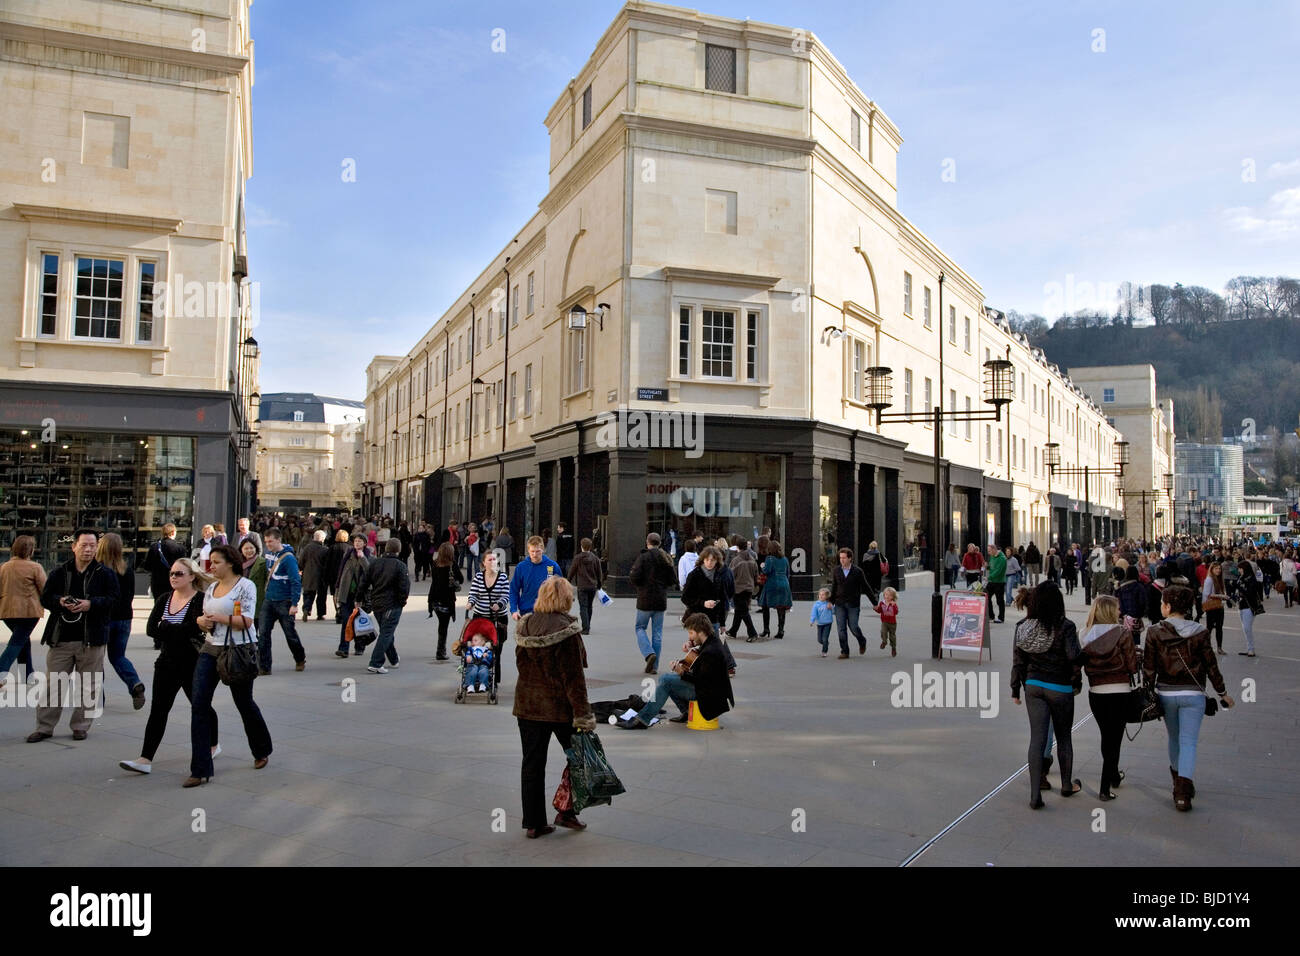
(998,590)
(1214,623)
(780,619)
(169,677)
(1110,712)
(1049,707)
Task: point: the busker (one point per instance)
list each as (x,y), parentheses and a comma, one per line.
(704,681)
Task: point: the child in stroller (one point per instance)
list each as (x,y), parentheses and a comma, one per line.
(477,649)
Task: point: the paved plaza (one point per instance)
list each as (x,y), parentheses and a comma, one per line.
(813,767)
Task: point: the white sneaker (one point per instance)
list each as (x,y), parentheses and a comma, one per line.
(135,765)
(378,670)
(469,689)
(393,667)
(482,688)
(216,751)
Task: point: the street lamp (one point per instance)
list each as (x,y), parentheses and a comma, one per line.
(1052,455)
(997,393)
(578,317)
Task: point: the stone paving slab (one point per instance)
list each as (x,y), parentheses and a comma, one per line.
(814,767)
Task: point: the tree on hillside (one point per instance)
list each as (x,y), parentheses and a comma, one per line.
(1160,299)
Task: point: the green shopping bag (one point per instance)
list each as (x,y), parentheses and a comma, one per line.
(591,778)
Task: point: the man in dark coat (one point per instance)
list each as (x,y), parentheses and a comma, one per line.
(873,568)
(313,563)
(705,682)
(652,575)
(162,555)
(847,584)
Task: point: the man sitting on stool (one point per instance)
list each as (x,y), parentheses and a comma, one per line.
(706,682)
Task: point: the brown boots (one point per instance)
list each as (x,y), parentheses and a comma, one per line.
(1183,792)
(1191,787)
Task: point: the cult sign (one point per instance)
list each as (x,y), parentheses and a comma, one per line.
(713,502)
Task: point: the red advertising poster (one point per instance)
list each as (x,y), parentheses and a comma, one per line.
(963,621)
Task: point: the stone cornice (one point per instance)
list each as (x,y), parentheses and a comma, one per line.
(836,69)
(684,274)
(113,46)
(797,144)
(33,213)
(593,160)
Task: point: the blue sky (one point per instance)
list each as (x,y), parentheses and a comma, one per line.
(1127,164)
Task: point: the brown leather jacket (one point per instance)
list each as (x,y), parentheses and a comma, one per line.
(1178,656)
(1109,658)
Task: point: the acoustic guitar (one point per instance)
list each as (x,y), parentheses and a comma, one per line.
(689,660)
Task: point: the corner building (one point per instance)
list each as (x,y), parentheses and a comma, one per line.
(730,196)
(127,363)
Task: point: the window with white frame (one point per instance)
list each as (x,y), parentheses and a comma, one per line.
(928,404)
(295,480)
(719,68)
(514,395)
(501,403)
(528,390)
(857,369)
(577,361)
(477,335)
(999,446)
(907,293)
(966,332)
(98,311)
(925,304)
(1022,454)
(988,442)
(297,441)
(530,293)
(48,314)
(907,391)
(501,318)
(147,273)
(718,343)
(855,130)
(514,307)
(297,416)
(1108,395)
(952,325)
(968,423)
(952,407)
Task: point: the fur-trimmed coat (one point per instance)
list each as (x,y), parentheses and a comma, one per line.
(550,657)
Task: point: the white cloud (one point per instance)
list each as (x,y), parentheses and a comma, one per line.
(1278,220)
(1283,169)
(257,217)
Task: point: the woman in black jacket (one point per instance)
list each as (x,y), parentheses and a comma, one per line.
(173,625)
(338,554)
(1046,664)
(442,594)
(709,588)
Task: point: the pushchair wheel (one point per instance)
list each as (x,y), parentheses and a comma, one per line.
(492,698)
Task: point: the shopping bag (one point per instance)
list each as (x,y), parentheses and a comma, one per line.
(604,598)
(363,624)
(563,799)
(591,778)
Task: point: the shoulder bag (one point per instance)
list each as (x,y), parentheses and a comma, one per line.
(237,663)
(1211,705)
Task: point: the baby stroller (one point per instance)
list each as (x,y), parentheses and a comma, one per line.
(476,626)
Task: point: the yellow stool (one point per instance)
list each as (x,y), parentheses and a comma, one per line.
(695,722)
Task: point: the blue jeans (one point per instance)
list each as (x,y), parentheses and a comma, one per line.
(476,674)
(19,647)
(1013,582)
(648,645)
(670,685)
(201,734)
(585,598)
(119,632)
(824,637)
(1248,626)
(273,611)
(846,619)
(385,644)
(1183,716)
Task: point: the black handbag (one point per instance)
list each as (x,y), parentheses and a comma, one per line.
(237,663)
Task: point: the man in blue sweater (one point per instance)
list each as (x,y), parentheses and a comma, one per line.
(283,589)
(528,578)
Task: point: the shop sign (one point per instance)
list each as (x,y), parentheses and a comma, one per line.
(713,502)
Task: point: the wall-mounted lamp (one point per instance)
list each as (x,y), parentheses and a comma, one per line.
(578,317)
(831,333)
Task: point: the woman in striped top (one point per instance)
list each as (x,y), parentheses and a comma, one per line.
(489,596)
(174,624)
